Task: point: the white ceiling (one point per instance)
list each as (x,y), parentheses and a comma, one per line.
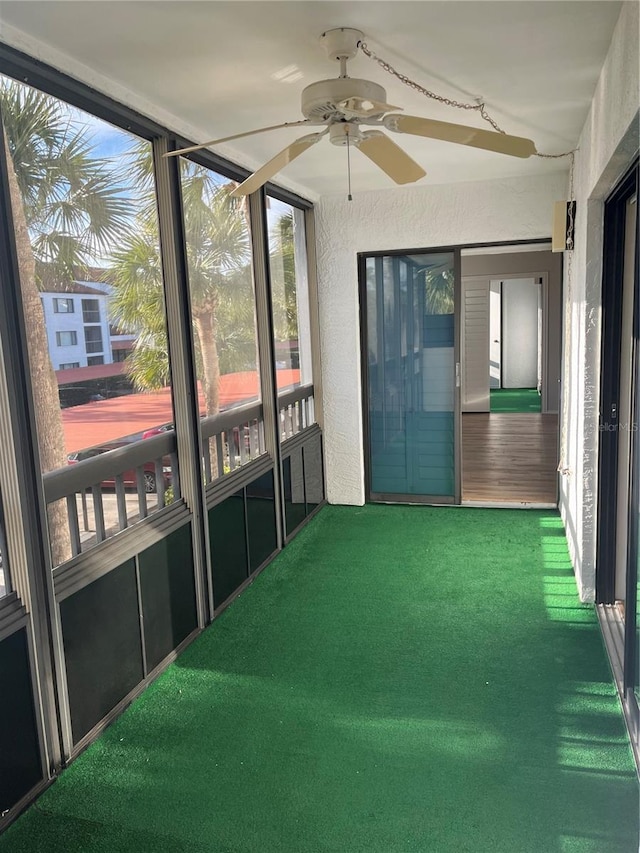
(218,68)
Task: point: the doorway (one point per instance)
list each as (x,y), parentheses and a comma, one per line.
(428,364)
(515,344)
(510,331)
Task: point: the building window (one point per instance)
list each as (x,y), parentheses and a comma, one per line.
(119,354)
(66,339)
(63,306)
(69,365)
(93,338)
(95,359)
(90,311)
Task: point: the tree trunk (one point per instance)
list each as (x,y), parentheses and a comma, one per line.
(205,325)
(51,439)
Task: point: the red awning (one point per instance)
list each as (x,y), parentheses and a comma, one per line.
(84,374)
(106,421)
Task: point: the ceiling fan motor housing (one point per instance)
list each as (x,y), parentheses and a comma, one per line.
(344,132)
(321,100)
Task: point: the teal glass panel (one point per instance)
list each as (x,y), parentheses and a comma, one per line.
(411,374)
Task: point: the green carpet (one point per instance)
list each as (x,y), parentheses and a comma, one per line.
(399,680)
(514,400)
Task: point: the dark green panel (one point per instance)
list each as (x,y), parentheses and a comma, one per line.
(20,766)
(261,520)
(227,538)
(293,483)
(168,594)
(103,651)
(313,472)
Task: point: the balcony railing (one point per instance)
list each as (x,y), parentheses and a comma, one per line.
(231,439)
(296,410)
(116,488)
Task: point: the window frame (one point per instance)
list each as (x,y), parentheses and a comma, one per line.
(73,335)
(86,312)
(89,344)
(59,300)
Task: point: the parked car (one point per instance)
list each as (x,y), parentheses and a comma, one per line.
(129,478)
(159,430)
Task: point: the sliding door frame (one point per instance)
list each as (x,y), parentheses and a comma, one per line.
(378,497)
(610,360)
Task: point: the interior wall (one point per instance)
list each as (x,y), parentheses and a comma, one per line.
(508,264)
(607,146)
(408,218)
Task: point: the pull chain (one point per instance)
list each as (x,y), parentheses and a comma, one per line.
(349,196)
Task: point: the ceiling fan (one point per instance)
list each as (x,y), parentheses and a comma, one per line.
(340,105)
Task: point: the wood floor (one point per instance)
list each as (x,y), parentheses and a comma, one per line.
(509,457)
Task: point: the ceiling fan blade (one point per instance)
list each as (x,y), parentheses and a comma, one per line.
(282,159)
(490,140)
(355,107)
(390,157)
(237,136)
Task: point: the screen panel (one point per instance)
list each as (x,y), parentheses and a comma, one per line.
(102,646)
(168,594)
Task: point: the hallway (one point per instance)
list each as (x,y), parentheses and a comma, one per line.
(398,680)
(510,458)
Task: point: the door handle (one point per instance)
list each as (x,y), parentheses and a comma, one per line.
(457,374)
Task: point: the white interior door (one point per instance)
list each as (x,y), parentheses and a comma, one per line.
(520,332)
(495,335)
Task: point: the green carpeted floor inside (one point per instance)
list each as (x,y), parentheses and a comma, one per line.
(399,680)
(507,400)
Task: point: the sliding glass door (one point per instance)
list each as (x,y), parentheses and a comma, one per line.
(410,366)
(618,555)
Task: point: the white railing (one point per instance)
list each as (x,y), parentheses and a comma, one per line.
(230,439)
(114,489)
(296,410)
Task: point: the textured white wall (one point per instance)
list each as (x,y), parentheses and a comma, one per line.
(407,218)
(607,146)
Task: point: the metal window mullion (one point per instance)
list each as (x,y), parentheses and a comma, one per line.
(314,315)
(27,527)
(182,365)
(264,323)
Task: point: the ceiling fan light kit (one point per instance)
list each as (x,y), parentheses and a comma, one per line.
(344,103)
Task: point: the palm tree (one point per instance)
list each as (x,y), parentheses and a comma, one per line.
(283,278)
(220,282)
(68,207)
(439,297)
